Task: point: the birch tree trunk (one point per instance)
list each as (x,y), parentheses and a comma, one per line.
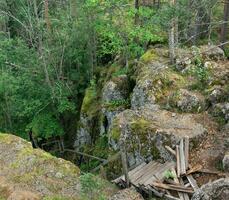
(172,37)
(224,28)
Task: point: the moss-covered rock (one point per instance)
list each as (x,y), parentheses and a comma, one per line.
(148,131)
(35,174)
(187,101)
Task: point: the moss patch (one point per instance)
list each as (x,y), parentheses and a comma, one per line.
(149,56)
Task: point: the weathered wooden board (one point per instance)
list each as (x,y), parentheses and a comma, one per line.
(193,182)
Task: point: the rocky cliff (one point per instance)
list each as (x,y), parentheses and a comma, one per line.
(33,174)
(151,104)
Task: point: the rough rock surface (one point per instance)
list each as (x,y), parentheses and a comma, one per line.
(226,162)
(217,190)
(148,131)
(212,52)
(187,101)
(114,97)
(83,136)
(221,110)
(127,194)
(217,95)
(28,173)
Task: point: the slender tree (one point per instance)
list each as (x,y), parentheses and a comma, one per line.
(224,28)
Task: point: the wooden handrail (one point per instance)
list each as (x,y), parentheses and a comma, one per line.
(85,154)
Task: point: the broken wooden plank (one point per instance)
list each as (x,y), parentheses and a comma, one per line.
(170,197)
(186,152)
(125,165)
(165,167)
(131,173)
(182,158)
(208,171)
(137,176)
(176,180)
(155,192)
(178,188)
(178,160)
(151,178)
(147,174)
(193,182)
(171,150)
(186,197)
(194,169)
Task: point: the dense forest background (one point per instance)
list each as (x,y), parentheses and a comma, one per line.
(52,50)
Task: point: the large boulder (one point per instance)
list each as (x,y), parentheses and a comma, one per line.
(212,52)
(147,131)
(187,101)
(28,173)
(217,190)
(153,83)
(218,94)
(221,110)
(226,162)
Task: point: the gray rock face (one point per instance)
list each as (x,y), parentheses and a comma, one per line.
(188,101)
(147,131)
(212,52)
(114,97)
(83,136)
(115,90)
(221,110)
(183,59)
(217,190)
(217,95)
(148,83)
(226,162)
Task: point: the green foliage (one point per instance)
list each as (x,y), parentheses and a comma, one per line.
(45,126)
(91,186)
(199,71)
(124,103)
(169,174)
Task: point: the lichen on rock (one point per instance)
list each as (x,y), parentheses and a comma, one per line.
(35,174)
(148,131)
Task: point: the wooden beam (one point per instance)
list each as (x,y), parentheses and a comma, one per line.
(85,154)
(193,182)
(182,158)
(178,188)
(186,151)
(176,180)
(194,169)
(170,197)
(178,160)
(185,196)
(155,192)
(110,159)
(125,167)
(171,150)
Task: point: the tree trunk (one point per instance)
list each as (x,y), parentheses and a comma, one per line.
(136,6)
(173,37)
(47,20)
(224,28)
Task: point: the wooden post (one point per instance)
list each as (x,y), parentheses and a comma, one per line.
(178,160)
(124,165)
(186,152)
(182,157)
